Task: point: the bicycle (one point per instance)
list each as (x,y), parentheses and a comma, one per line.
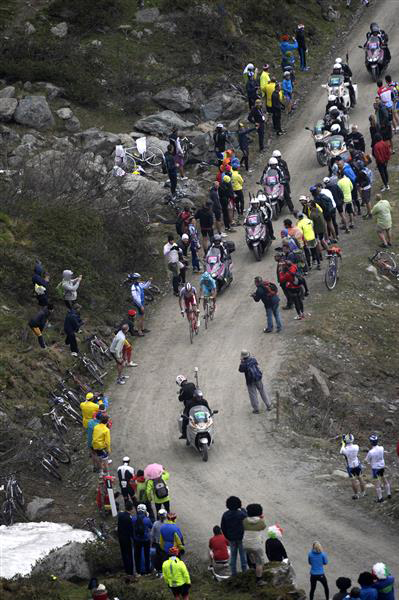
(49,461)
(92,368)
(140,153)
(149,293)
(209,310)
(193,322)
(386,263)
(84,387)
(100,531)
(69,395)
(57,422)
(99,350)
(186,146)
(332,272)
(66,408)
(14,501)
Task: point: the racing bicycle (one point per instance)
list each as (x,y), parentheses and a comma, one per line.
(92,368)
(57,422)
(50,459)
(209,310)
(386,264)
(143,154)
(14,502)
(69,395)
(332,272)
(66,408)
(193,321)
(99,350)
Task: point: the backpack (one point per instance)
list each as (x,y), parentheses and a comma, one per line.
(60,290)
(254,373)
(160,488)
(139,527)
(271,288)
(298,279)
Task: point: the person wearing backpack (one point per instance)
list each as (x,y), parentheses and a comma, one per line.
(253,378)
(141,492)
(158,491)
(364,181)
(267,292)
(142,526)
(170,535)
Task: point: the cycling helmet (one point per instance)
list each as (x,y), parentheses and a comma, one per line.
(125,459)
(373,439)
(326,180)
(374,28)
(273,161)
(335,128)
(349,439)
(217,237)
(181,379)
(141,508)
(188,287)
(331,98)
(134,276)
(184,237)
(338,61)
(276,154)
(287,73)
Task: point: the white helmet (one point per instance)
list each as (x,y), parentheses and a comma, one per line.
(254,201)
(250,67)
(142,508)
(181,379)
(332,108)
(162,512)
(337,66)
(326,180)
(331,98)
(273,161)
(276,154)
(303,198)
(125,459)
(349,439)
(335,128)
(184,237)
(338,61)
(261,197)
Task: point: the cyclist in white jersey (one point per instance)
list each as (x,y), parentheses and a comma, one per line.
(351,451)
(375,458)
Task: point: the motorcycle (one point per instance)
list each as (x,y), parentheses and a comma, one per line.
(256,234)
(200,431)
(220,271)
(336,150)
(374,57)
(320,135)
(274,191)
(338,87)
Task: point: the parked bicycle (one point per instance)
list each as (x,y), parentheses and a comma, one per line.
(142,153)
(84,387)
(386,264)
(92,368)
(50,459)
(70,395)
(100,531)
(99,350)
(14,503)
(66,408)
(332,272)
(57,422)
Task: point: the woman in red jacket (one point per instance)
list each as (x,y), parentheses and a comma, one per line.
(382,154)
(288,274)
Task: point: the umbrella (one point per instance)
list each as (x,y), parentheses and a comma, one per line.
(153,471)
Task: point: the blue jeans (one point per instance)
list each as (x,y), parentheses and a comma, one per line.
(194,255)
(237,547)
(271,311)
(302,57)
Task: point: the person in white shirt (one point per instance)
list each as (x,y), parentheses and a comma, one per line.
(125,475)
(351,451)
(375,458)
(173,253)
(116,350)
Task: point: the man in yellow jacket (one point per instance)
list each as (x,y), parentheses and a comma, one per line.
(101,442)
(264,79)
(237,183)
(176,575)
(88,408)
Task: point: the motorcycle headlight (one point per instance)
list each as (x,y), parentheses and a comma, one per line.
(214,275)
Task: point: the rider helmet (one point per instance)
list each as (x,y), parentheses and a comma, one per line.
(374,28)
(188,287)
(332,108)
(273,161)
(141,508)
(338,61)
(373,439)
(254,201)
(348,438)
(337,66)
(335,113)
(276,154)
(217,238)
(125,459)
(326,180)
(335,128)
(261,197)
(331,98)
(181,379)
(134,276)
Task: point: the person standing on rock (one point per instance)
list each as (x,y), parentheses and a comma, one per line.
(274,547)
(126,478)
(205,217)
(38,323)
(69,286)
(40,280)
(169,167)
(233,530)
(257,116)
(178,152)
(317,560)
(125,537)
(253,378)
(220,137)
(216,207)
(254,539)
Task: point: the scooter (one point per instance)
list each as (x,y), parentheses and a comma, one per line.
(220,271)
(256,234)
(338,87)
(374,57)
(274,191)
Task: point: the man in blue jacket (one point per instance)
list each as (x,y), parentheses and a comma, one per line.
(72,324)
(367,591)
(142,526)
(233,530)
(137,291)
(350,173)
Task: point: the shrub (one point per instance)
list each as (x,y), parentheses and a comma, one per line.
(86,15)
(103,557)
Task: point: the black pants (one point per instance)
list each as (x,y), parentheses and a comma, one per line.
(313,582)
(160,557)
(40,338)
(270,229)
(261,136)
(296,299)
(355,199)
(287,196)
(69,303)
(302,57)
(239,201)
(173,181)
(126,546)
(382,167)
(166,506)
(334,221)
(286,294)
(226,218)
(128,494)
(244,158)
(315,255)
(70,341)
(276,119)
(138,546)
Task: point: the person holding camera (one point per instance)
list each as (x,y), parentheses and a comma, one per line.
(267,292)
(175,261)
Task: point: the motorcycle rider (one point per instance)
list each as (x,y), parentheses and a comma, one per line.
(187,388)
(217,243)
(260,205)
(196,400)
(347,73)
(336,102)
(285,179)
(383,38)
(273,166)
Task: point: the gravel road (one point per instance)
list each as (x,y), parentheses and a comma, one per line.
(248,458)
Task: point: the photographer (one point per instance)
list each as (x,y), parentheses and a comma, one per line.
(175,262)
(267,292)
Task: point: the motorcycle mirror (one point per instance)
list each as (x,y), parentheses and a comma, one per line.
(308,128)
(323,85)
(361,47)
(215,412)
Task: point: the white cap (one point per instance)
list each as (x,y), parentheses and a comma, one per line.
(162,511)
(303,197)
(125,459)
(287,73)
(184,237)
(101,588)
(142,508)
(250,66)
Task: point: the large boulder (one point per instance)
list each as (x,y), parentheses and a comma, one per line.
(147,15)
(202,143)
(68,562)
(174,98)
(60,30)
(162,123)
(38,507)
(98,141)
(33,111)
(8,92)
(7,108)
(142,190)
(226,106)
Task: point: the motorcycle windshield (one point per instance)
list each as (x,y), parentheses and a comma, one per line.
(199,414)
(271,181)
(336,142)
(335,81)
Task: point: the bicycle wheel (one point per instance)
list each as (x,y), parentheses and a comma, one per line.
(153,156)
(330,277)
(59,426)
(72,398)
(385,262)
(18,495)
(94,371)
(148,295)
(191,330)
(49,467)
(71,413)
(130,163)
(7,512)
(97,355)
(206,315)
(60,454)
(212,311)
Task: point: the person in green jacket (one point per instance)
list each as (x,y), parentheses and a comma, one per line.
(176,575)
(382,211)
(141,492)
(158,491)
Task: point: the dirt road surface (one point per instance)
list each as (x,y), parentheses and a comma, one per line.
(248,459)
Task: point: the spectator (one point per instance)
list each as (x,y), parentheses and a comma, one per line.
(220,138)
(216,207)
(243,142)
(382,211)
(182,220)
(226,195)
(343,584)
(169,167)
(125,537)
(302,49)
(346,169)
(331,184)
(356,139)
(287,274)
(170,534)
(88,408)
(205,217)
(101,442)
(277,108)
(269,89)
(264,79)
(173,255)
(176,575)
(155,540)
(233,530)
(72,324)
(40,280)
(267,292)
(346,187)
(126,480)
(253,540)
(364,181)
(384,122)
(394,86)
(237,183)
(95,420)
(374,131)
(367,589)
(256,116)
(38,323)
(178,152)
(194,244)
(253,378)
(382,154)
(100,593)
(141,492)
(383,582)
(218,546)
(288,44)
(288,90)
(141,537)
(116,350)
(317,559)
(138,298)
(275,550)
(69,285)
(306,226)
(158,491)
